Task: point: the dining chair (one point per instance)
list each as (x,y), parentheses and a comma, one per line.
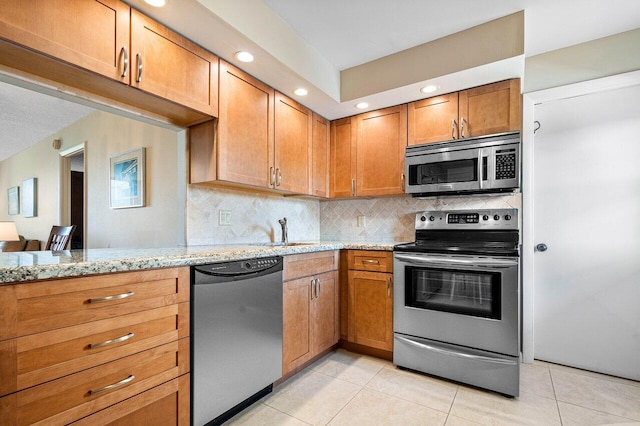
(60,238)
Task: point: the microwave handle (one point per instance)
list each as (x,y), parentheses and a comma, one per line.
(480,156)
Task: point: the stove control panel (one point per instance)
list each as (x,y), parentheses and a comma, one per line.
(504,219)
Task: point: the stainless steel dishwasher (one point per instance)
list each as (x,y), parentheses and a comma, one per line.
(236,336)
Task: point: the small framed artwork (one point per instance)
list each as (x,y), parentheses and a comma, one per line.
(14,200)
(127,181)
(30,197)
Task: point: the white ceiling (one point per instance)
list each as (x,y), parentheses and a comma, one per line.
(308,42)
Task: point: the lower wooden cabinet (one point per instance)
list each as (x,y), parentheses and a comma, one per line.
(310,307)
(74,349)
(370,299)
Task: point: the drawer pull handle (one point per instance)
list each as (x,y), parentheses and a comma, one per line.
(111,342)
(374,262)
(113,386)
(110,298)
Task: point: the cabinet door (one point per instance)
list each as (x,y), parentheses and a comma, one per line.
(371,309)
(293,130)
(245,129)
(90,34)
(433,120)
(172,67)
(494,108)
(324,326)
(343,158)
(296,344)
(382,139)
(320,157)
(164,405)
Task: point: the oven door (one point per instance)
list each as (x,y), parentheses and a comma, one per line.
(471,301)
(460,170)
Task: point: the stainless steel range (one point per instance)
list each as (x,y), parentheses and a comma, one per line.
(457,298)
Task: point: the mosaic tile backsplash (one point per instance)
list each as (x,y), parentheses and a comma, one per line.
(254,216)
(392,219)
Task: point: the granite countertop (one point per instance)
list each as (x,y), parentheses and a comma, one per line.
(39,265)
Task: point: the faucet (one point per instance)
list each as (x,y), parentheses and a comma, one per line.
(285,236)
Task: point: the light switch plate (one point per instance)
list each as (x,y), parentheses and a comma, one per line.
(362,221)
(224,217)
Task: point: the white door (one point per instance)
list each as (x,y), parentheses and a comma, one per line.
(587,212)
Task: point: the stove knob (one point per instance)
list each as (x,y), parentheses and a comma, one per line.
(485,217)
(496,217)
(423,218)
(507,217)
(431,218)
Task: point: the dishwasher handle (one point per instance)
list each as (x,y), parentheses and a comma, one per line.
(224,272)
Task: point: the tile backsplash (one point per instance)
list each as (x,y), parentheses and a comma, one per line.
(254,216)
(392,219)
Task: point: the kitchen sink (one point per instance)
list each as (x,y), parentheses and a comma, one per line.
(279,244)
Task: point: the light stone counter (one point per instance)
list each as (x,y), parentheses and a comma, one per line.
(40,265)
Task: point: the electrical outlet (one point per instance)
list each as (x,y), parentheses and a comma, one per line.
(224,217)
(362,221)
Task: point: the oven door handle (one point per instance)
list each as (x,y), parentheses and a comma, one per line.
(440,261)
(457,354)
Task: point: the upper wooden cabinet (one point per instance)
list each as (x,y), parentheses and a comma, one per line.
(382,139)
(168,65)
(245,131)
(90,34)
(484,110)
(67,41)
(292,159)
(344,138)
(263,138)
(367,153)
(320,157)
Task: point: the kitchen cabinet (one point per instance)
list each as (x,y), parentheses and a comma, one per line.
(90,34)
(72,347)
(293,148)
(244,152)
(367,153)
(73,44)
(343,157)
(489,109)
(263,138)
(370,304)
(310,307)
(320,157)
(170,66)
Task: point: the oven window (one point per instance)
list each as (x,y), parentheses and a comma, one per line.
(455,291)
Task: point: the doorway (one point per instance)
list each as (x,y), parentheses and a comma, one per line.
(585,198)
(72,193)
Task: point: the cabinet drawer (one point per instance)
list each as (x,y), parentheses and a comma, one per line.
(306,264)
(164,405)
(47,305)
(46,356)
(75,396)
(369,260)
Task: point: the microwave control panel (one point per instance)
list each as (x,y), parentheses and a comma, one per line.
(506,164)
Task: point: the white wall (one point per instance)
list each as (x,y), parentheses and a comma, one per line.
(159,224)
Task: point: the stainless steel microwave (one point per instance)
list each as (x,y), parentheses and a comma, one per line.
(486,164)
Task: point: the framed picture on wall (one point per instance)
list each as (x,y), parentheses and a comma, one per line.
(14,200)
(127,181)
(30,197)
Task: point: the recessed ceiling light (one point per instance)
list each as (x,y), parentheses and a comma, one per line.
(301,91)
(156,3)
(429,89)
(362,105)
(244,56)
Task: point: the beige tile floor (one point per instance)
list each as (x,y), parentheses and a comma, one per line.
(344,388)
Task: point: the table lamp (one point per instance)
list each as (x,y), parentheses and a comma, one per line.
(8,231)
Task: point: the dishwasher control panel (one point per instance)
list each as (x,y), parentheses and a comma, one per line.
(241,267)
